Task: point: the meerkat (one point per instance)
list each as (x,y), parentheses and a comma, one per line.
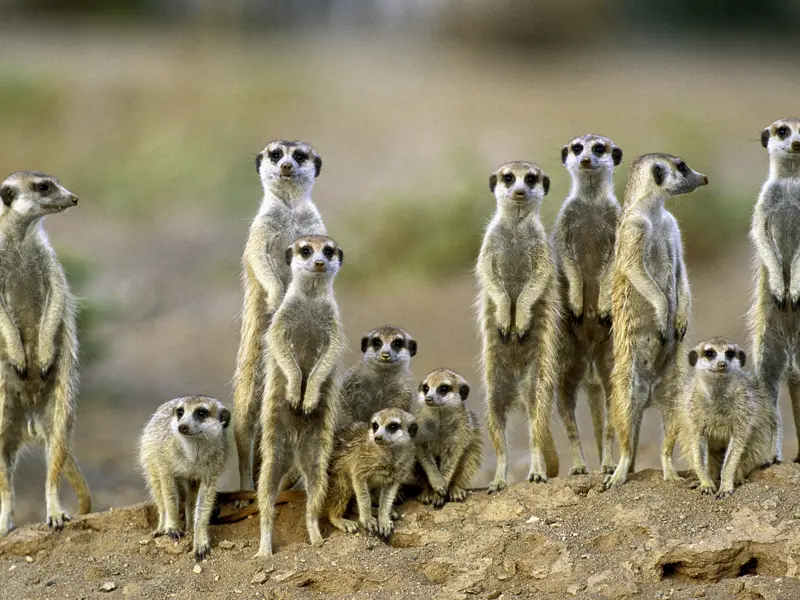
(583,240)
(287,171)
(379,455)
(775,309)
(38,344)
(519,317)
(651,303)
(727,422)
(383,379)
(182,453)
(449,443)
(301,401)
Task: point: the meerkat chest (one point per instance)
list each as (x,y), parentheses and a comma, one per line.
(25,288)
(590,236)
(660,257)
(781,206)
(514,253)
(307,331)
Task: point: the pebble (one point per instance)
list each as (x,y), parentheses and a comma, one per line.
(108,586)
(29,559)
(259,577)
(227,545)
(533,519)
(198,569)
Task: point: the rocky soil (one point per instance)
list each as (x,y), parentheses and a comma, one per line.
(563,539)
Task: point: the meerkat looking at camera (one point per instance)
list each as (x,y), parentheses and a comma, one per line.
(449,442)
(727,422)
(371,456)
(287,171)
(775,310)
(583,240)
(383,379)
(38,344)
(301,400)
(182,453)
(651,303)
(519,317)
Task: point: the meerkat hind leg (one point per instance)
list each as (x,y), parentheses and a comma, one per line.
(499,396)
(770,365)
(8,452)
(794,394)
(274,465)
(567,402)
(628,436)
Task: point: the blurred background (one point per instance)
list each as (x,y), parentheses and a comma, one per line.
(152,111)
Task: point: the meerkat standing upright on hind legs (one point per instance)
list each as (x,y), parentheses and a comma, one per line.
(583,240)
(287,171)
(519,317)
(651,303)
(775,310)
(38,343)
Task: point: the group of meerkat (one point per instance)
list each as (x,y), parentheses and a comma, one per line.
(603,302)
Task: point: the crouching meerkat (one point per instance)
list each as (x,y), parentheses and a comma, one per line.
(383,378)
(775,309)
(449,442)
(182,453)
(38,344)
(651,303)
(287,171)
(583,241)
(519,317)
(727,422)
(301,401)
(378,455)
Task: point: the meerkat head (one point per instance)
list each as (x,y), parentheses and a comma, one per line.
(717,355)
(443,388)
(33,195)
(314,256)
(288,169)
(519,183)
(782,139)
(662,174)
(393,426)
(388,346)
(590,154)
(199,417)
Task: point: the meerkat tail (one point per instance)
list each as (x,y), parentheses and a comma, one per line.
(72,472)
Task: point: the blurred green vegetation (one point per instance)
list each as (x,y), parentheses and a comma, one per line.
(90,313)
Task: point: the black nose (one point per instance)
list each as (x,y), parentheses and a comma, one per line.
(183,428)
(378,437)
(428,400)
(287,166)
(74,199)
(385,355)
(319,263)
(586,160)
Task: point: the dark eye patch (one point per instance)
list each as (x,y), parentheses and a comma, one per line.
(599,149)
(443,389)
(327,251)
(201,414)
(275,154)
(43,187)
(509,178)
(376,342)
(730,354)
(531,179)
(374,426)
(393,427)
(710,353)
(300,156)
(398,344)
(782,131)
(425,388)
(577,149)
(179,412)
(305,251)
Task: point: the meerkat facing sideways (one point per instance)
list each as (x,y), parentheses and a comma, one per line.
(449,443)
(287,171)
(367,456)
(383,379)
(38,343)
(727,422)
(301,402)
(651,303)
(519,317)
(775,310)
(182,453)
(583,240)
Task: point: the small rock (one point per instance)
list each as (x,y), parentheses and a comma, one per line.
(259,578)
(50,583)
(573,589)
(108,586)
(145,541)
(227,545)
(12,567)
(284,575)
(493,595)
(237,591)
(216,577)
(531,520)
(729,528)
(198,569)
(304,582)
(28,559)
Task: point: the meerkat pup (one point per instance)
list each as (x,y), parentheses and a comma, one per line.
(182,453)
(38,343)
(727,423)
(651,303)
(287,171)
(775,310)
(519,317)
(383,379)
(301,402)
(379,455)
(449,445)
(583,240)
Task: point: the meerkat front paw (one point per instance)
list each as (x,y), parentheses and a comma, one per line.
(347,526)
(294,395)
(45,360)
(369,524)
(310,401)
(202,551)
(578,470)
(536,477)
(707,489)
(498,485)
(681,324)
(18,361)
(57,520)
(505,334)
(724,492)
(608,469)
(575,314)
(385,528)
(778,293)
(456,494)
(604,318)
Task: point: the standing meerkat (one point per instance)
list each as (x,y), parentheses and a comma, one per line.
(301,401)
(727,423)
(182,453)
(775,310)
(583,241)
(519,317)
(379,455)
(383,379)
(287,171)
(449,443)
(651,303)
(38,343)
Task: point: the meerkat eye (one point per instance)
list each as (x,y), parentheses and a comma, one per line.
(393,427)
(531,179)
(577,149)
(305,251)
(599,149)
(443,389)
(300,156)
(43,187)
(374,426)
(782,131)
(682,168)
(275,155)
(327,251)
(376,342)
(179,413)
(710,353)
(397,344)
(201,414)
(508,178)
(425,388)
(730,354)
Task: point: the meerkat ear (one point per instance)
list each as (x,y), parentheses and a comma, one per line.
(413,428)
(616,155)
(564,154)
(463,391)
(317,165)
(341,256)
(546,184)
(742,357)
(765,137)
(658,174)
(412,347)
(7,194)
(259,158)
(288,255)
(692,358)
(225,417)
(421,383)
(492,182)
(364,344)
